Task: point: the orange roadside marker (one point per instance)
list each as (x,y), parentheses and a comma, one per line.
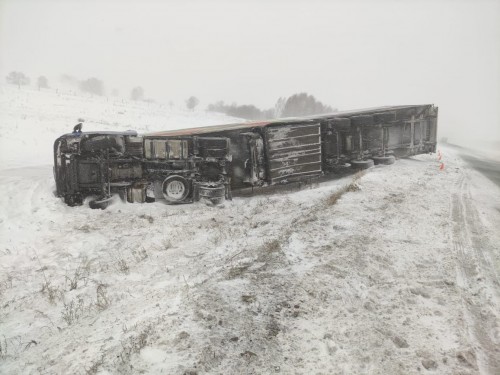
(441,167)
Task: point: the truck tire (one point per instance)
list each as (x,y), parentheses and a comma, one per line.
(212,193)
(385,160)
(362,164)
(175,189)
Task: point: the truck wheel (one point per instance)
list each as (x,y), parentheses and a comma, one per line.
(385,160)
(212,193)
(100,203)
(73,200)
(175,189)
(361,164)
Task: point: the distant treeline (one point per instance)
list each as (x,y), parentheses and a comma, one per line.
(249,112)
(300,104)
(92,85)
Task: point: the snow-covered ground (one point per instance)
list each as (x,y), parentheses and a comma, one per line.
(400,276)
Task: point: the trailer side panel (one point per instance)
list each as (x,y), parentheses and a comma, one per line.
(293,151)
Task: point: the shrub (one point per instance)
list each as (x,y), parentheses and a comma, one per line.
(246,111)
(42,82)
(192,102)
(137,93)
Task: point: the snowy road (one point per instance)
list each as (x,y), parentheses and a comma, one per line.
(488,166)
(477,261)
(401,276)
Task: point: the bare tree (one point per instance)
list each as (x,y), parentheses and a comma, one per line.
(192,102)
(137,93)
(279,107)
(17,78)
(92,86)
(43,82)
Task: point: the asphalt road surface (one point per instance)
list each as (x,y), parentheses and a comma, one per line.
(488,167)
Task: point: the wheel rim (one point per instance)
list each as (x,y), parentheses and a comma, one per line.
(175,190)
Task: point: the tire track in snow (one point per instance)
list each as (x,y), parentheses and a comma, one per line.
(472,269)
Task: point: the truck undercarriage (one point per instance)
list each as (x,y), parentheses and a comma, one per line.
(207,163)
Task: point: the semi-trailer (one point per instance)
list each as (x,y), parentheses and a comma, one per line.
(208,163)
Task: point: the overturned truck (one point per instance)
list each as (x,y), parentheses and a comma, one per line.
(207,163)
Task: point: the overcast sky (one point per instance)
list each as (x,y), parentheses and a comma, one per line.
(349,54)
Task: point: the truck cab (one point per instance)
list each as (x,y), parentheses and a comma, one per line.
(177,169)
(96,163)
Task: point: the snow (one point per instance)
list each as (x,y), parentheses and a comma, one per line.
(401,276)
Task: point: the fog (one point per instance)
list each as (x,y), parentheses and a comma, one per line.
(348,54)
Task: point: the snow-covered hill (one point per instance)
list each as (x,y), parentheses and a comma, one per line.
(397,274)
